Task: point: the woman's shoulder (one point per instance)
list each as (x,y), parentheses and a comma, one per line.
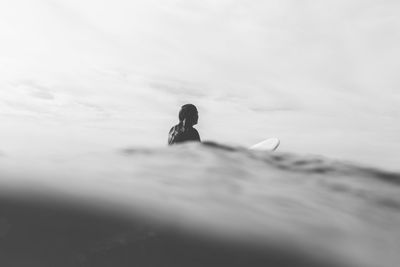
(194,133)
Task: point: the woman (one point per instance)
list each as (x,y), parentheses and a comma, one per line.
(184,131)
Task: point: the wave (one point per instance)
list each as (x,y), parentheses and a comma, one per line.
(198,204)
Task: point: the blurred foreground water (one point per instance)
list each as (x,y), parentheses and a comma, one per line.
(196,205)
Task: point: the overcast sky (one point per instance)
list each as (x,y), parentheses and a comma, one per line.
(81,75)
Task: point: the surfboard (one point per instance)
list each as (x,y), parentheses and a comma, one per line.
(270,144)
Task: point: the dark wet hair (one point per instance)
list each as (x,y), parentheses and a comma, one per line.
(188,115)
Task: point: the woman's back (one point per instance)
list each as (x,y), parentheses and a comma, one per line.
(179,134)
(184,131)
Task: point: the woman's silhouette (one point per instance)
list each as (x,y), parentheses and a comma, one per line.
(184,131)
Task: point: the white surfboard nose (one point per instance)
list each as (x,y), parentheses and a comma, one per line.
(269,144)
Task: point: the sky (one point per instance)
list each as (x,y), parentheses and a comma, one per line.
(81,76)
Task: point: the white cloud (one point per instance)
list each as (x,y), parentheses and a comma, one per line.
(254,68)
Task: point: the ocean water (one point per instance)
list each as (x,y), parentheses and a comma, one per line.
(196,205)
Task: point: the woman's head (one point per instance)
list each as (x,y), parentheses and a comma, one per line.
(188,115)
